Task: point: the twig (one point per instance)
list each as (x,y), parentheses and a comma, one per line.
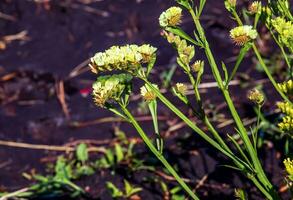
(61,97)
(47,147)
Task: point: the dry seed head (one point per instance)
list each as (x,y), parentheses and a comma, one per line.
(256,96)
(243,34)
(171,17)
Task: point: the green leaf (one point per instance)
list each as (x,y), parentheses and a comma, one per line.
(115,192)
(119,153)
(82,152)
(129,189)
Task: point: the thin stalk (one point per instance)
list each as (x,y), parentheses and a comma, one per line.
(260,173)
(267,71)
(204,117)
(153,149)
(242,165)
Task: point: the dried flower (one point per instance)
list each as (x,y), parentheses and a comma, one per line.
(197,65)
(127,58)
(243,34)
(181,88)
(111,87)
(287,124)
(289,166)
(256,96)
(171,17)
(255,7)
(286,108)
(286,87)
(147,93)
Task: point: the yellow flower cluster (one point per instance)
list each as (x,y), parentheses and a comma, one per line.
(285,30)
(243,34)
(127,58)
(256,96)
(289,166)
(286,108)
(110,87)
(286,87)
(230,4)
(287,124)
(171,17)
(287,121)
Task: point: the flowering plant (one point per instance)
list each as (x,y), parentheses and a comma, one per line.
(137,62)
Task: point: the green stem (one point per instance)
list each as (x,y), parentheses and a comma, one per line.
(268,73)
(150,145)
(260,173)
(242,165)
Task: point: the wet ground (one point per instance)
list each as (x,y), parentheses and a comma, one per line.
(44,85)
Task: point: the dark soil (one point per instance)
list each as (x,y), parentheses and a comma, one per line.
(64,34)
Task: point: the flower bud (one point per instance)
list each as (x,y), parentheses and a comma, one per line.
(181,88)
(289,166)
(286,87)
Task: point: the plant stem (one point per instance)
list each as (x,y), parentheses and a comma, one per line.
(259,170)
(150,145)
(267,71)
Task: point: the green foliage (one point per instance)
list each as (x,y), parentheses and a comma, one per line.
(129,190)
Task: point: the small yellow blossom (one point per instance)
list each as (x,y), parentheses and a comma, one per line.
(286,108)
(285,30)
(171,17)
(289,166)
(256,96)
(255,7)
(147,93)
(181,88)
(243,34)
(287,124)
(286,87)
(197,65)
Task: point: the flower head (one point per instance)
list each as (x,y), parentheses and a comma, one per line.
(285,30)
(147,93)
(286,87)
(197,65)
(255,7)
(111,87)
(289,166)
(171,17)
(286,108)
(127,58)
(181,88)
(287,124)
(256,96)
(243,34)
